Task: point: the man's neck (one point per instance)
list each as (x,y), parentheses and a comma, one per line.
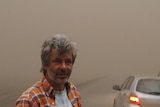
(57,87)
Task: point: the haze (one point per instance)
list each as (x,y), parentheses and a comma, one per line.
(118,37)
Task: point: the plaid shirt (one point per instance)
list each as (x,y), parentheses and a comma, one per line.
(42,95)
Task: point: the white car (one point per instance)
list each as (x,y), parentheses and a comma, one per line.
(137,91)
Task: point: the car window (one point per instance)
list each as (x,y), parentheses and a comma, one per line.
(127,83)
(150,86)
(124,83)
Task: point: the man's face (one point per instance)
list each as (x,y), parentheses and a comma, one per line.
(59,68)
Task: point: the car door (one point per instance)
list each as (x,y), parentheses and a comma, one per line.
(119,98)
(124,93)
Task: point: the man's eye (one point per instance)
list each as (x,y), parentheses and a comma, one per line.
(69,62)
(57,61)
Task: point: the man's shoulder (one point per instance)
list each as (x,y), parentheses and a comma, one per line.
(30,95)
(35,89)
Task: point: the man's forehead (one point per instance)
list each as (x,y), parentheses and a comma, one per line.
(61,52)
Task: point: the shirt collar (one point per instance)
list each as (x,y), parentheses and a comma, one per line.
(47,87)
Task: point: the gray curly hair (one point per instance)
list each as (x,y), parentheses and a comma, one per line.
(59,42)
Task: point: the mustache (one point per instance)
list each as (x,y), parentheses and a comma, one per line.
(62,71)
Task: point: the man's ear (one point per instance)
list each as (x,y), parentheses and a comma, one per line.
(45,68)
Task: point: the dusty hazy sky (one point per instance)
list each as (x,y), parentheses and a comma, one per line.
(113,36)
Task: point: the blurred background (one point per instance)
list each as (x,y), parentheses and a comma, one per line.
(115,38)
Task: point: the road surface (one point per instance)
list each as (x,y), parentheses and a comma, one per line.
(98,93)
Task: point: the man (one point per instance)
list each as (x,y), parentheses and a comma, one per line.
(58,55)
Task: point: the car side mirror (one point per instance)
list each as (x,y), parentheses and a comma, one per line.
(116,87)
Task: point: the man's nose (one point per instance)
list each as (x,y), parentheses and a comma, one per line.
(63,65)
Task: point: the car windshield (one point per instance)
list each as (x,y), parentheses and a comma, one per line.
(149,86)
